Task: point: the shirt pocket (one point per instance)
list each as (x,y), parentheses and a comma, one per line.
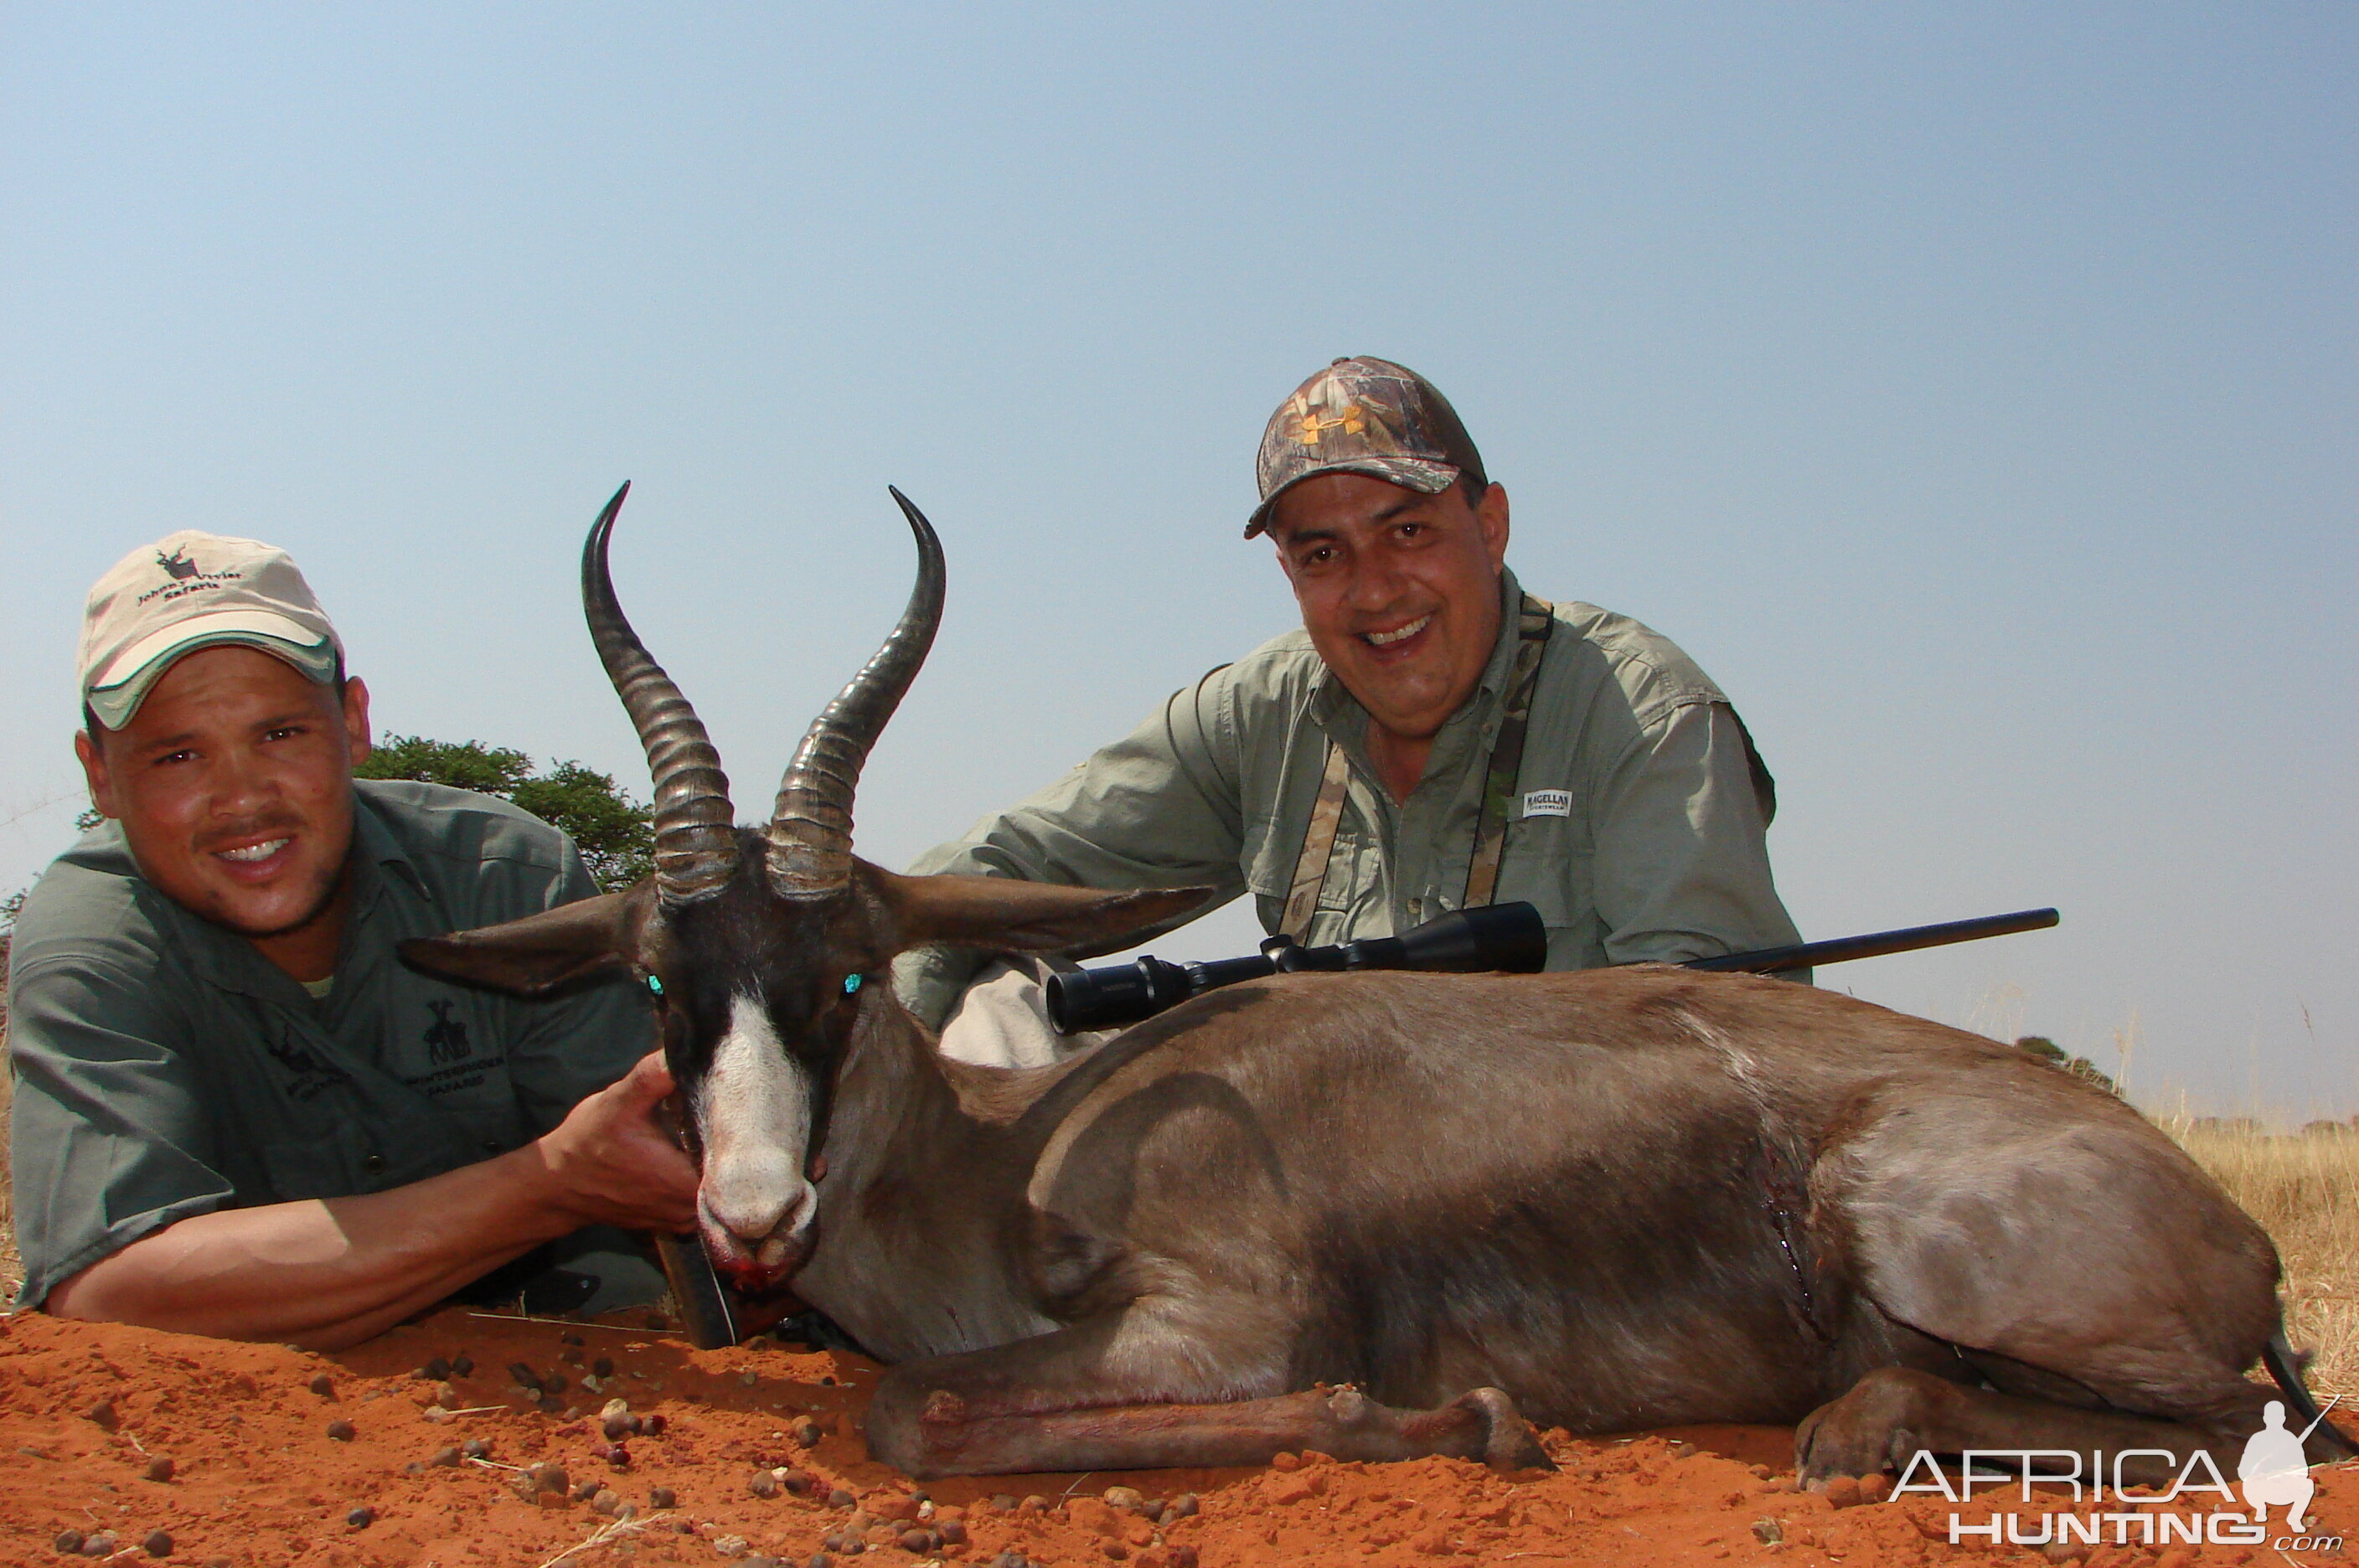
(1355,868)
(1351,898)
(1268,857)
(1556,879)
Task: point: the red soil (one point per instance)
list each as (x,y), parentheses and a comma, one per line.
(256,1476)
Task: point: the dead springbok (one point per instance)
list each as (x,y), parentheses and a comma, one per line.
(1383,1215)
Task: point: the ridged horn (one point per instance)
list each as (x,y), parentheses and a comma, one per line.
(696,838)
(811,828)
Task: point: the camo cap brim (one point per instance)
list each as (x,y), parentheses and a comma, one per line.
(1363,415)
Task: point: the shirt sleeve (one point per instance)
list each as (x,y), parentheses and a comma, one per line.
(1158,808)
(570,1047)
(109,1140)
(1682,857)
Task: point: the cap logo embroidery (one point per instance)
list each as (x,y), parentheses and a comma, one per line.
(183,577)
(1309,427)
(1329,407)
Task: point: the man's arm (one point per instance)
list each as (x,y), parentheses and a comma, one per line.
(1158,808)
(1682,866)
(329,1273)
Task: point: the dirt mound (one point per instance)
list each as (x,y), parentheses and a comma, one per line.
(254,1454)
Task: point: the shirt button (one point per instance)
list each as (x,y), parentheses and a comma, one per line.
(374,1165)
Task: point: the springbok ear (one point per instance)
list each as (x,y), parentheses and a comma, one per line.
(999,911)
(536,954)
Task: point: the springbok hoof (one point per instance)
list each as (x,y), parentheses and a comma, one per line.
(1508,1440)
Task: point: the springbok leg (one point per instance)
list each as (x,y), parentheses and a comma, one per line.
(1893,1411)
(1026,1406)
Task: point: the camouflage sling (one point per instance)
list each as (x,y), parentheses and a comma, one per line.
(1507,753)
(1318,845)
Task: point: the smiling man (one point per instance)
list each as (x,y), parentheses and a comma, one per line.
(236,1112)
(1433,738)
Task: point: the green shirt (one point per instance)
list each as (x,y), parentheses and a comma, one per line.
(164,1068)
(1637,828)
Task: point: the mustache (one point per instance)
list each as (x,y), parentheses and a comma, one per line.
(237,835)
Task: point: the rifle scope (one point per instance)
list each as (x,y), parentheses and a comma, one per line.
(1508,938)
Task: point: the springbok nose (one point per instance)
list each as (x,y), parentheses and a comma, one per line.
(753,1108)
(754,1196)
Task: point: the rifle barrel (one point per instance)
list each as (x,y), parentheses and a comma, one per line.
(1802,955)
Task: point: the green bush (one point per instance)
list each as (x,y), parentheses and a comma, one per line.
(2055,1055)
(615,832)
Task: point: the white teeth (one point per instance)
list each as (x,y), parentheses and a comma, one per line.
(1385,639)
(262,851)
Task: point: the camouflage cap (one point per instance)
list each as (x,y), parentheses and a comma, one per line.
(1368,416)
(188,590)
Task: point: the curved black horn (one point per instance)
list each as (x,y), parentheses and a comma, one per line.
(811,828)
(696,841)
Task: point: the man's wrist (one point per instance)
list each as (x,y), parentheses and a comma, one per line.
(547,1206)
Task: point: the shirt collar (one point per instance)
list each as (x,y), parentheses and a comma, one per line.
(375,851)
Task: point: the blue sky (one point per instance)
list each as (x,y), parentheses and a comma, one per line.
(1969,389)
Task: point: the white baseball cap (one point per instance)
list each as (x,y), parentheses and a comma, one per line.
(188,590)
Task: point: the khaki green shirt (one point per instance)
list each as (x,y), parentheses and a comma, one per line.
(164,1068)
(1637,828)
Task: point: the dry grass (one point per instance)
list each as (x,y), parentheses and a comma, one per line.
(2304,1190)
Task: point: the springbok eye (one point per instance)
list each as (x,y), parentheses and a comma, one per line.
(850,984)
(655,987)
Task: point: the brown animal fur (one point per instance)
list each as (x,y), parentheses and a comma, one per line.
(1628,1198)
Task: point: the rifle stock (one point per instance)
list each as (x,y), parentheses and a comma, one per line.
(707,1306)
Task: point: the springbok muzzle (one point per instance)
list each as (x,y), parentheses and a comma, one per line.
(755,1206)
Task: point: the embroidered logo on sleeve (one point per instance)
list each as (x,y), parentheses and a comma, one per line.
(1547,802)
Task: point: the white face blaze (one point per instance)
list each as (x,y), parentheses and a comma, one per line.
(753,1113)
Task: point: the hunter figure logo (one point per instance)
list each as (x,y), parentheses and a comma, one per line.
(2272,1471)
(446,1037)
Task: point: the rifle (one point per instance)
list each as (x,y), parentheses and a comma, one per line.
(1505,938)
